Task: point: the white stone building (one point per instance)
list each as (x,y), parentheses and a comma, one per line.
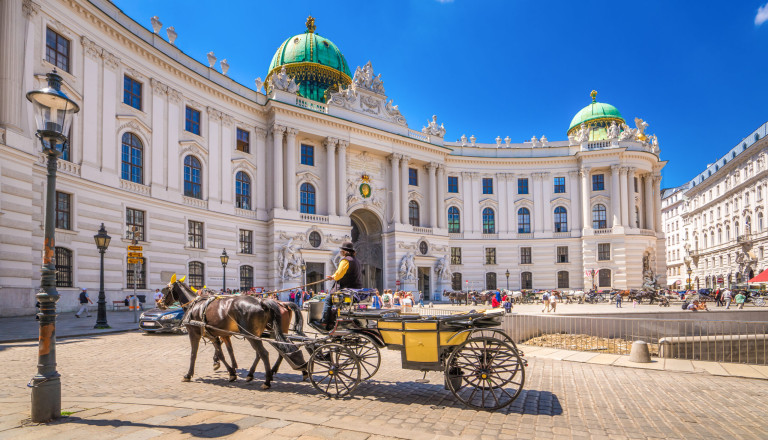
(200,163)
(720,217)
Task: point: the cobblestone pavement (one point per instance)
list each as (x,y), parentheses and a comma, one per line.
(129,386)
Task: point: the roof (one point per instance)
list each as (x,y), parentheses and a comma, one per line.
(595,111)
(309,47)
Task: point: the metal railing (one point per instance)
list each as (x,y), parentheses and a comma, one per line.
(429,311)
(687,338)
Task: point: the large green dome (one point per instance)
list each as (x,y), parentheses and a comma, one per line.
(313,61)
(598,116)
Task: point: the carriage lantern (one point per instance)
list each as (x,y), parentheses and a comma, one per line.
(224,260)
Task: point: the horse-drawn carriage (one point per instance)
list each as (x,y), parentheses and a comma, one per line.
(481,365)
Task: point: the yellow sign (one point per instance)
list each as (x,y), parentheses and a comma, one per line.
(134,261)
(135,248)
(135,255)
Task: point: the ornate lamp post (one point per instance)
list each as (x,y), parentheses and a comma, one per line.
(102,243)
(303,273)
(690,272)
(507,274)
(224,260)
(53,116)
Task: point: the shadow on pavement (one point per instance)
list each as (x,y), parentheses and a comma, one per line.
(201,430)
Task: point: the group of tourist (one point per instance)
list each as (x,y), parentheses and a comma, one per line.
(398,300)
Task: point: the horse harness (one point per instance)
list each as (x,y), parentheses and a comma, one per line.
(187,316)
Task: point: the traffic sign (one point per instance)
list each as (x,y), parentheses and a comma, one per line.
(397,283)
(134,261)
(135,248)
(135,255)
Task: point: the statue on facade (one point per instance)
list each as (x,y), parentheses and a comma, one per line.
(443,269)
(281,81)
(378,85)
(613,130)
(641,126)
(582,135)
(626,132)
(433,129)
(407,270)
(289,261)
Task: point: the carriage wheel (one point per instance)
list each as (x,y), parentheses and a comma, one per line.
(485,373)
(367,352)
(334,370)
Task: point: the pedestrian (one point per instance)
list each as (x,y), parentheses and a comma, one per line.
(727,298)
(545,299)
(618,300)
(495,303)
(718,297)
(376,303)
(740,298)
(84,301)
(553,300)
(386,299)
(158,295)
(407,301)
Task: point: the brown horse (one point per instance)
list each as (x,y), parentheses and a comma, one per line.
(222,315)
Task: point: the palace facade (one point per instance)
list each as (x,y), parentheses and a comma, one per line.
(282,173)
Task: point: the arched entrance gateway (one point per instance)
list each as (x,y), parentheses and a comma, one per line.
(366,237)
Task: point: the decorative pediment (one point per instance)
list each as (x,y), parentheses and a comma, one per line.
(131,122)
(192,147)
(528,203)
(488,202)
(600,198)
(560,201)
(243,165)
(415,195)
(454,201)
(308,176)
(366,95)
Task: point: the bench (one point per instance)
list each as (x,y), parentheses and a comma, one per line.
(117,304)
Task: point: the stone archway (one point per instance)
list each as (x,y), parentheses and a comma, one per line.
(366,237)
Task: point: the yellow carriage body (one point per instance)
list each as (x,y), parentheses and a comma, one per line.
(422,341)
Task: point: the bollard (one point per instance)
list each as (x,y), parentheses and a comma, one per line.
(640,353)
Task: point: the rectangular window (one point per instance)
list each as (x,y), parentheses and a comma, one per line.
(246,241)
(243,141)
(63,262)
(487,185)
(522,186)
(490,255)
(63,210)
(525,255)
(562,280)
(598,182)
(453,184)
(413,177)
(490,281)
(559,185)
(195,235)
(603,251)
(562,254)
(139,274)
(307,155)
(192,121)
(131,92)
(134,218)
(57,50)
(455,255)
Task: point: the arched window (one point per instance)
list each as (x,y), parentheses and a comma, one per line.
(196,277)
(696,242)
(759,222)
(489,222)
(307,193)
(456,281)
(727,233)
(712,237)
(748,225)
(193,177)
(132,159)
(719,236)
(413,213)
(604,279)
(637,217)
(63,257)
(454,220)
(242,190)
(526,280)
(704,241)
(562,279)
(246,277)
(523,221)
(599,219)
(490,281)
(561,219)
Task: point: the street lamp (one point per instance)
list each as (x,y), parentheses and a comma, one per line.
(690,271)
(507,274)
(53,116)
(303,273)
(102,243)
(224,260)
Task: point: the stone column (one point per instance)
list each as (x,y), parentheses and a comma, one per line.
(108,110)
(547,190)
(290,169)
(441,182)
(159,166)
(431,171)
(173,182)
(502,219)
(511,213)
(225,172)
(341,193)
(90,108)
(12,23)
(466,209)
(631,197)
(615,196)
(261,168)
(475,211)
(575,214)
(394,164)
(585,208)
(624,199)
(657,202)
(277,166)
(214,180)
(330,161)
(538,202)
(404,190)
(648,197)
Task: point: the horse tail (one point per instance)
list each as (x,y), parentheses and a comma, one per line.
(273,307)
(298,320)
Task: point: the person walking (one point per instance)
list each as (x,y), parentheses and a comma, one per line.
(740,299)
(386,299)
(545,299)
(553,300)
(718,297)
(158,295)
(618,300)
(84,301)
(727,298)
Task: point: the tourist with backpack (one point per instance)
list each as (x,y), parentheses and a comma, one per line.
(545,299)
(727,298)
(84,301)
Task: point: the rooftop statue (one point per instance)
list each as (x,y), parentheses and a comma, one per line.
(433,129)
(281,81)
(364,79)
(613,130)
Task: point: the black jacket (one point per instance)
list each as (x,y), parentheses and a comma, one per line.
(352,279)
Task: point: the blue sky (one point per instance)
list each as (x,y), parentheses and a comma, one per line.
(695,71)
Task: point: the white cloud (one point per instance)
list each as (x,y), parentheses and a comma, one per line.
(762,15)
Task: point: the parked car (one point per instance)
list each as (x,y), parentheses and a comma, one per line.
(159,321)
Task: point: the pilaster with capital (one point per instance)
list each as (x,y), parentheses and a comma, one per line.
(615,196)
(394,166)
(441,182)
(277,155)
(260,142)
(633,220)
(108,95)
(404,189)
(648,198)
(432,171)
(341,188)
(290,169)
(330,165)
(159,126)
(573,194)
(624,196)
(584,173)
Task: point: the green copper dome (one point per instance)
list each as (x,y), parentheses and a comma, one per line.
(598,116)
(314,62)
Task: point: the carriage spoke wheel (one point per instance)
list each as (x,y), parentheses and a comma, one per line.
(367,352)
(485,373)
(334,370)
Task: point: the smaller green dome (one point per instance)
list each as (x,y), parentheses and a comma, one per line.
(594,112)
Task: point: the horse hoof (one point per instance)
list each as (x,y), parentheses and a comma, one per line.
(186,379)
(232,378)
(216,366)
(266,387)
(249,378)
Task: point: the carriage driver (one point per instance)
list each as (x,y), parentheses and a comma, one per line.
(347,276)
